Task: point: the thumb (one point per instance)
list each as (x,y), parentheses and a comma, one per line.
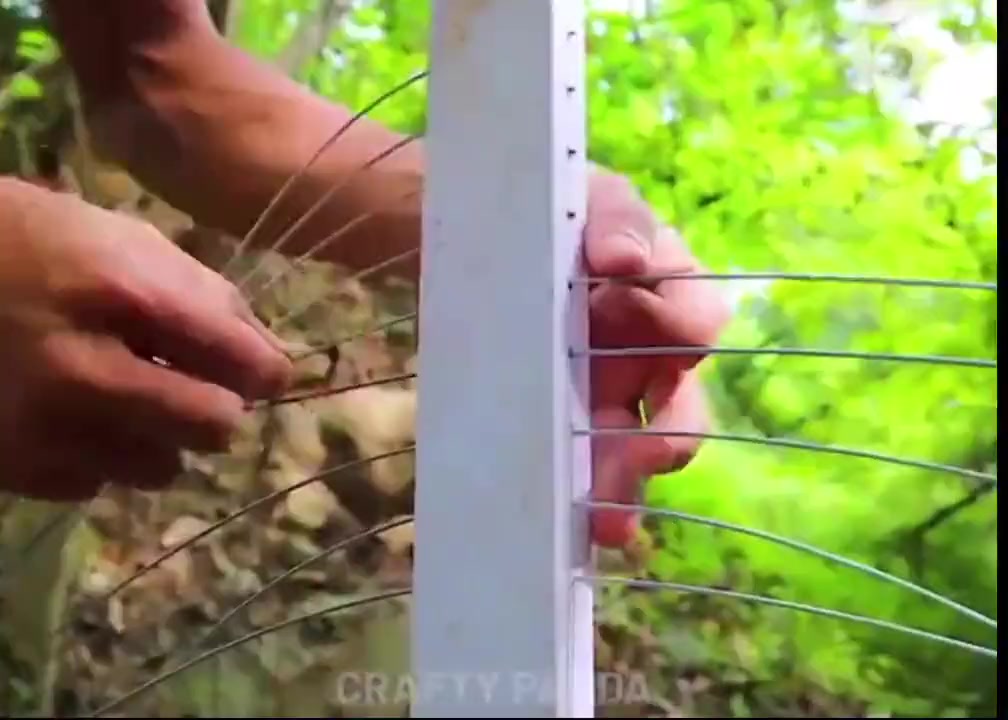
(615,479)
(620,228)
(620,252)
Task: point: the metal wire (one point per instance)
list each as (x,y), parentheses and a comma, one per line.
(209,654)
(314,393)
(596,352)
(632,582)
(789,276)
(326,349)
(659,350)
(790,605)
(321,392)
(294,569)
(278,323)
(800,546)
(357,117)
(799,445)
(325,242)
(287,574)
(245,509)
(327,195)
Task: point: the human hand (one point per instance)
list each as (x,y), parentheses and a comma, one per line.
(88,299)
(623,239)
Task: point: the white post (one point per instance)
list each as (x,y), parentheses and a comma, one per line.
(499,627)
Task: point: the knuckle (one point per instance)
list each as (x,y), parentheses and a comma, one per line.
(67,363)
(118,282)
(671,237)
(127,289)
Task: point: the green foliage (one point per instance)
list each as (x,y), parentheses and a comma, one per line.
(768,133)
(740,123)
(774,135)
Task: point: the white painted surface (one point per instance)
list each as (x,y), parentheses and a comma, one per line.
(499,626)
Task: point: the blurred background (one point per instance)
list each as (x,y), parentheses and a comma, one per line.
(778,135)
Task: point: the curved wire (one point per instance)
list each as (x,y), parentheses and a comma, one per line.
(790,605)
(802,547)
(805,277)
(327,195)
(294,569)
(326,241)
(659,350)
(313,393)
(325,349)
(291,314)
(245,509)
(800,445)
(243,245)
(213,652)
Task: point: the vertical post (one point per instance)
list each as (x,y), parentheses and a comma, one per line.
(499,627)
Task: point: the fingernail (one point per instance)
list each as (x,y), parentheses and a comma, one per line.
(631,242)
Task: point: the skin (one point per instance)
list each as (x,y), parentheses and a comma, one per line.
(87,296)
(216,133)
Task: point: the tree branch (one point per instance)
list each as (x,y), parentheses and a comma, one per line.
(947,512)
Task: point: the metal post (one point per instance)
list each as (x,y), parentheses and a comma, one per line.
(499,627)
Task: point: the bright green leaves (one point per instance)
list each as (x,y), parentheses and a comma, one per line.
(36,46)
(770,159)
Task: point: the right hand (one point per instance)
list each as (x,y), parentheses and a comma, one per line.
(88,299)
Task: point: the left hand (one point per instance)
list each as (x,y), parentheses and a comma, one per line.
(624,238)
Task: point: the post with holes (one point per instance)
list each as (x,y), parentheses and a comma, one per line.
(499,627)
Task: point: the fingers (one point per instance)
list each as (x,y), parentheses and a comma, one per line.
(613,479)
(620,228)
(100,382)
(105,415)
(680,311)
(685,310)
(623,462)
(206,332)
(77,464)
(676,405)
(623,238)
(122,351)
(59,484)
(207,337)
(124,458)
(165,304)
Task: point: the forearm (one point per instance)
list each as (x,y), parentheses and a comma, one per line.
(217,133)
